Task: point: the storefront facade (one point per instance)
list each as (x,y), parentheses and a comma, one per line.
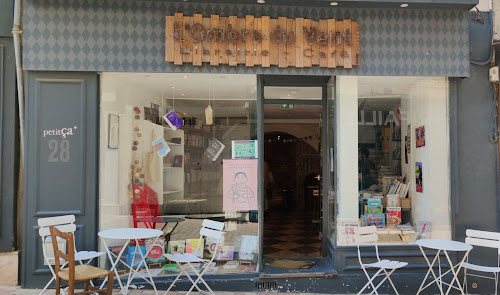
(101,75)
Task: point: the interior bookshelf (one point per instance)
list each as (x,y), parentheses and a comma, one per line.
(173,165)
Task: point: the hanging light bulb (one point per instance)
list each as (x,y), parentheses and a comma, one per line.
(208,110)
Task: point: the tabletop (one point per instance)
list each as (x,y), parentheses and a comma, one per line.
(130,233)
(444,245)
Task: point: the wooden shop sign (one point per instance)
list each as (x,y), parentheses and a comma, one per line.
(263,41)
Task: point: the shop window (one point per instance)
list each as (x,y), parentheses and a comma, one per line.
(182,168)
(393,163)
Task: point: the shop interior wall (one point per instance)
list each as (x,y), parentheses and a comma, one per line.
(118,98)
(426,105)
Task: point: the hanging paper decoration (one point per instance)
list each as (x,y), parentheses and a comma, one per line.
(173,120)
(209,115)
(161,147)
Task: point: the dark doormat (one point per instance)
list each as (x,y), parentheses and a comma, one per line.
(291,264)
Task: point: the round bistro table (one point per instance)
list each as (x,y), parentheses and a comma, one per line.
(129,234)
(444,246)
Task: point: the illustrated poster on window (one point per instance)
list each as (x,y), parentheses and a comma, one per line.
(418,177)
(239,185)
(420,136)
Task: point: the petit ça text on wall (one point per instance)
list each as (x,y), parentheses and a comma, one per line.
(263,41)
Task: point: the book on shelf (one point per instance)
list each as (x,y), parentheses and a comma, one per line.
(374,205)
(377,219)
(393,215)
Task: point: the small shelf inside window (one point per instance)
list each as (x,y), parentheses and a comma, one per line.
(170,192)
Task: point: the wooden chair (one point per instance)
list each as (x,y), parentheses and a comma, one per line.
(65,223)
(74,273)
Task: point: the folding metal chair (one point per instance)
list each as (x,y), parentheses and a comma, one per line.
(211,229)
(482,239)
(385,267)
(66,224)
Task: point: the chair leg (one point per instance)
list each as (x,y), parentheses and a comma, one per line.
(58,285)
(496,283)
(111,279)
(370,281)
(465,281)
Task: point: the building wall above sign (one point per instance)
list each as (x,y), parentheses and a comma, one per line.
(263,41)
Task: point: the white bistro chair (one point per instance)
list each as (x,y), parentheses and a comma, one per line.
(211,229)
(368,234)
(482,239)
(65,223)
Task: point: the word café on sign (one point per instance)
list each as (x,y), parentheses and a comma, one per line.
(263,41)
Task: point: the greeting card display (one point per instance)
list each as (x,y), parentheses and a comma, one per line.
(173,120)
(214,149)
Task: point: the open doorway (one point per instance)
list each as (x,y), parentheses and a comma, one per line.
(292,180)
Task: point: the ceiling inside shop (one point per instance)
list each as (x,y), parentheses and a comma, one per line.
(376,93)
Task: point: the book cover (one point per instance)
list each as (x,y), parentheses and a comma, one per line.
(349,233)
(231,265)
(248,248)
(224,253)
(195,247)
(173,120)
(392,200)
(161,147)
(377,219)
(176,247)
(393,215)
(214,149)
(210,246)
(374,205)
(157,250)
(134,256)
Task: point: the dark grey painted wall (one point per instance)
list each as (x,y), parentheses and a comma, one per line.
(474,164)
(61,171)
(476,191)
(8,146)
(128,35)
(6,17)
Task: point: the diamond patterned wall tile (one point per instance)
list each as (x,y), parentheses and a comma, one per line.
(128,35)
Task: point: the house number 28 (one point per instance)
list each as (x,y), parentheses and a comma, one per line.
(59,150)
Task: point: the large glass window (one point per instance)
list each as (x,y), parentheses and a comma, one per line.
(209,169)
(393,163)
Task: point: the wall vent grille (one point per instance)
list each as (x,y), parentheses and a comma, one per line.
(266,285)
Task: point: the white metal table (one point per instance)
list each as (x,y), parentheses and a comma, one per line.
(130,234)
(444,246)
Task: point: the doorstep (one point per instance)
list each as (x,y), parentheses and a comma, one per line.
(322,269)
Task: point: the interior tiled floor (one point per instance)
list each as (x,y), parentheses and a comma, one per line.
(290,233)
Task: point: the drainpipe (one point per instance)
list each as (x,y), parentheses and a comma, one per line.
(17,34)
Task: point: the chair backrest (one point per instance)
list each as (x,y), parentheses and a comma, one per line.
(58,254)
(483,239)
(365,235)
(140,205)
(154,205)
(211,229)
(64,223)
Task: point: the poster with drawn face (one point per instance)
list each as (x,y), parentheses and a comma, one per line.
(420,136)
(239,179)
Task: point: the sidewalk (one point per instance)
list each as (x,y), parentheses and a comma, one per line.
(8,290)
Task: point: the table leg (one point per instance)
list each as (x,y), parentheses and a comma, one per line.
(143,261)
(455,274)
(113,265)
(429,271)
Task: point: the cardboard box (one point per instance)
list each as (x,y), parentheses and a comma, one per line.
(9,261)
(405,203)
